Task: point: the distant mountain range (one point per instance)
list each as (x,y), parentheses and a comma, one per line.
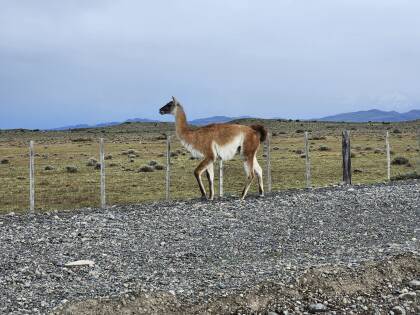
(374,115)
(197,122)
(104,124)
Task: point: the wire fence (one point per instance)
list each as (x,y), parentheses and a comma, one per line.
(102,173)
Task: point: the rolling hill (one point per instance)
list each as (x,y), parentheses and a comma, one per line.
(375,115)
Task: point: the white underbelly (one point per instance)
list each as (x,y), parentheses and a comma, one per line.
(228,150)
(194,152)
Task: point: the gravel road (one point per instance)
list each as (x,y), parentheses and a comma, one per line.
(222,256)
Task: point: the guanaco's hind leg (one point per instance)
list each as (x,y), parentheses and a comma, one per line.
(210,177)
(199,171)
(259,172)
(249,170)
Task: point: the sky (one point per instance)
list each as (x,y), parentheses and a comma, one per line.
(91,61)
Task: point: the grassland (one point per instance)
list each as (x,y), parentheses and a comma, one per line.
(131,146)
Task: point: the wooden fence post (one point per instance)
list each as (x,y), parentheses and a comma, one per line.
(388,156)
(346,151)
(102,160)
(307,162)
(31,177)
(268,161)
(418,155)
(168,166)
(221,178)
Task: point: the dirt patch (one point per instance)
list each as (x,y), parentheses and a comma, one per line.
(371,287)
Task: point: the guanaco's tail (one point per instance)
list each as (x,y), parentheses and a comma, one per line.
(261,130)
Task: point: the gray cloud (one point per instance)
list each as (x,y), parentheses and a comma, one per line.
(91,61)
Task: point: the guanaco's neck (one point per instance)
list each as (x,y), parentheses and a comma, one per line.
(181,124)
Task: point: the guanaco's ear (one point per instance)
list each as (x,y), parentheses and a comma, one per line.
(174,100)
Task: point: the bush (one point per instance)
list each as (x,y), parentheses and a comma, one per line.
(276,148)
(357,171)
(318,138)
(159,167)
(153,163)
(406,176)
(146,169)
(82,140)
(108,157)
(353,155)
(4,161)
(324,148)
(400,160)
(91,162)
(300,131)
(396,130)
(161,137)
(377,151)
(49,168)
(113,164)
(71,169)
(298,151)
(98,166)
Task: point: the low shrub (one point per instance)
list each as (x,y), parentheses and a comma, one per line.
(82,140)
(146,169)
(400,160)
(159,167)
(71,169)
(318,138)
(91,162)
(413,175)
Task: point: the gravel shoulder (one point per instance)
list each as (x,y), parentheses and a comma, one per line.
(351,249)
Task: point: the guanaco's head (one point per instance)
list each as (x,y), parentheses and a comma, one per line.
(169,108)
